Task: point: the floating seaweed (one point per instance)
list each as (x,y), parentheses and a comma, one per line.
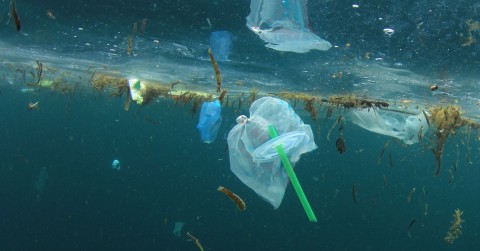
(410,194)
(153,91)
(129,45)
(340,143)
(309,101)
(329,112)
(390,160)
(101,81)
(235,198)
(253,95)
(130,38)
(218,77)
(419,134)
(182,98)
(410,228)
(354,102)
(446,121)
(38,76)
(453,169)
(339,119)
(195,239)
(309,107)
(14,15)
(456,227)
(143,25)
(197,101)
(469,41)
(354,194)
(222,96)
(385,146)
(174,83)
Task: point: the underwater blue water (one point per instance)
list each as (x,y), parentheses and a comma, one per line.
(58,190)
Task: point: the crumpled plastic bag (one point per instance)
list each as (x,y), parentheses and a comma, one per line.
(283,25)
(264,173)
(394,124)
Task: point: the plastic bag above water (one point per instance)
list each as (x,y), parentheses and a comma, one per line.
(221,44)
(253,158)
(283,25)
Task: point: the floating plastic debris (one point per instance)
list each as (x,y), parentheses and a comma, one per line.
(116,165)
(210,121)
(388,31)
(253,155)
(177,229)
(283,25)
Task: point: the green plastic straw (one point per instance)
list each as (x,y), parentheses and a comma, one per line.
(291,174)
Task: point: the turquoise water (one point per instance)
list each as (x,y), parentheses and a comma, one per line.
(59,192)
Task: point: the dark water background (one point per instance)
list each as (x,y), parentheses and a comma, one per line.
(168,175)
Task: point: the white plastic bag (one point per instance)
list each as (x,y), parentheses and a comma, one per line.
(392,124)
(253,162)
(283,25)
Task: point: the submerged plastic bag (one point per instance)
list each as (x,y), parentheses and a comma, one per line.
(210,121)
(391,123)
(283,25)
(253,158)
(221,44)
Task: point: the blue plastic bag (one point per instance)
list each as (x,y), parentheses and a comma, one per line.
(210,121)
(221,45)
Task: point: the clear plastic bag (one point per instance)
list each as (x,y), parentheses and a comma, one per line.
(391,124)
(283,25)
(252,156)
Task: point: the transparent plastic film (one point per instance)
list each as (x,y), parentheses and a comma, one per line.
(283,25)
